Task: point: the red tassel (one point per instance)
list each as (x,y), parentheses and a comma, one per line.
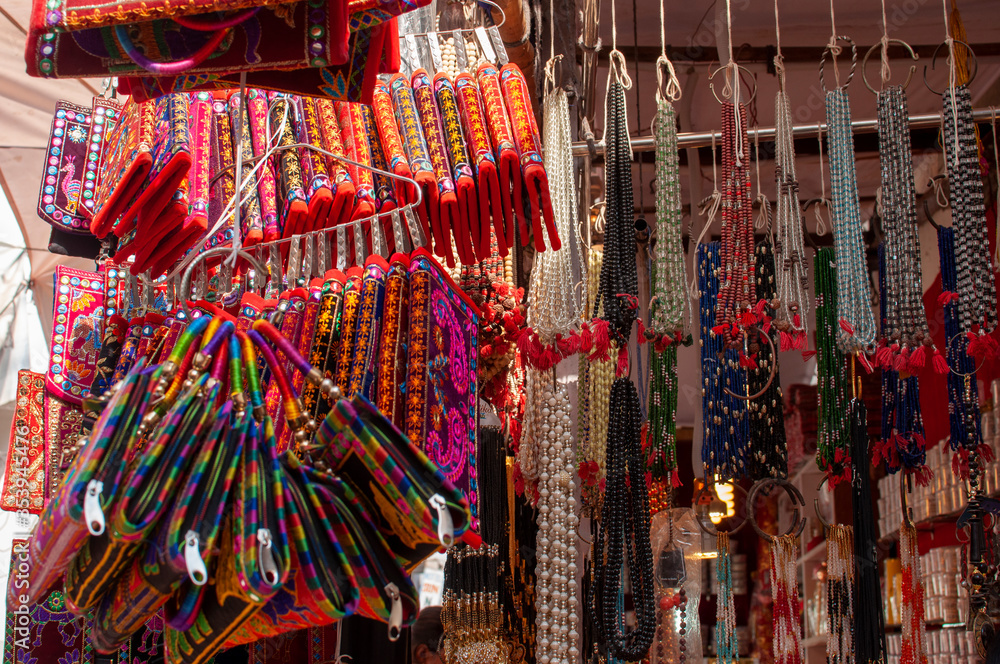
(747,319)
(808,355)
(865,362)
(939,363)
(759,307)
(622,370)
(899,364)
(719,329)
(748,361)
(924,476)
(524,341)
(642,333)
(797,320)
(586,339)
(549,358)
(799,340)
(986,452)
(883,356)
(955,467)
(786,341)
(946,298)
(568,345)
(602,340)
(846,327)
(918,360)
(675,478)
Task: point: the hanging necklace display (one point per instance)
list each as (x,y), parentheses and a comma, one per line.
(854,309)
(839,594)
(791,316)
(727,649)
(833,451)
(623,536)
(470,611)
(785,592)
(912,590)
(869,620)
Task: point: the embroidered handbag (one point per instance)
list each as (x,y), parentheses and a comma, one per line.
(24,475)
(416,509)
(441,379)
(391,360)
(90,485)
(66,157)
(369,327)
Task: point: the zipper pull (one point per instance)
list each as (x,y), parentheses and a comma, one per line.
(396,614)
(92,511)
(197,571)
(446,529)
(265,556)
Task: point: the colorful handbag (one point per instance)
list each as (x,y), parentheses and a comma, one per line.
(90,486)
(441,379)
(391,359)
(105,116)
(66,157)
(415,508)
(508,164)
(326,339)
(293,208)
(369,327)
(75,343)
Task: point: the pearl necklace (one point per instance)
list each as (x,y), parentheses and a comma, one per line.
(854,307)
(556,619)
(839,594)
(670,308)
(977,303)
(785,593)
(792,314)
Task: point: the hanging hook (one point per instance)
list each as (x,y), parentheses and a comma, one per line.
(864,64)
(819,515)
(934,57)
(798,520)
(739,79)
(770,378)
(827,51)
(710,529)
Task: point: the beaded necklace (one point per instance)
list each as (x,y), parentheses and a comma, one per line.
(792,313)
(769,453)
(839,594)
(623,535)
(661,459)
(902,444)
(869,621)
(854,308)
(670,308)
(727,649)
(724,419)
(914,633)
(963,391)
(470,606)
(785,592)
(737,284)
(905,338)
(619,283)
(976,289)
(833,454)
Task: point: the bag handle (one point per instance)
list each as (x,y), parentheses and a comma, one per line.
(194,23)
(168,68)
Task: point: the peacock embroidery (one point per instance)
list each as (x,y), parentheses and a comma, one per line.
(70,187)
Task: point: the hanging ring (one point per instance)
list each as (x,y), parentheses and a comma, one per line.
(798,521)
(770,378)
(710,529)
(959,373)
(854,63)
(826,525)
(864,64)
(972,54)
(753,78)
(218,251)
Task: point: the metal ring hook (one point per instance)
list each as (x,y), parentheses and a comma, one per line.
(799,521)
(753,77)
(770,378)
(972,54)
(864,64)
(959,373)
(217,251)
(854,63)
(826,525)
(697,517)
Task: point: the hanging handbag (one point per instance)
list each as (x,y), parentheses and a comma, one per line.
(62,181)
(369,327)
(441,379)
(24,475)
(391,360)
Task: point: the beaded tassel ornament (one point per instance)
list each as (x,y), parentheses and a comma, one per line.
(769,452)
(623,535)
(914,633)
(725,421)
(869,621)
(906,341)
(554,309)
(833,436)
(963,392)
(551,437)
(902,444)
(839,594)
(470,607)
(792,312)
(619,284)
(975,288)
(854,307)
(727,649)
(785,592)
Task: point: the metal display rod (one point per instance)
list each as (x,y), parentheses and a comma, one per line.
(703,139)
